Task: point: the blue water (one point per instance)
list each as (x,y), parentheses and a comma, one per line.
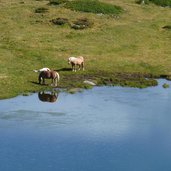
(103,129)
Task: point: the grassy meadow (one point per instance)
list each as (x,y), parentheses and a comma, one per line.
(120,49)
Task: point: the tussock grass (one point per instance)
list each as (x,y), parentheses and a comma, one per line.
(41,10)
(57,2)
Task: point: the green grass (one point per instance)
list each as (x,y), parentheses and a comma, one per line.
(162,2)
(93,6)
(117,51)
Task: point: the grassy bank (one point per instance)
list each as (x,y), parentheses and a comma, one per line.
(116,49)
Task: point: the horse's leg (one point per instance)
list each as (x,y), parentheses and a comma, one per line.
(72,67)
(75,66)
(39,79)
(79,67)
(55,81)
(82,66)
(43,80)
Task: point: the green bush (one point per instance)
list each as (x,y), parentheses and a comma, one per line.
(57,2)
(168,27)
(93,6)
(165,85)
(157,2)
(162,2)
(41,10)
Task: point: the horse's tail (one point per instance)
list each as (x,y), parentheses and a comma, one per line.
(42,69)
(57,78)
(35,70)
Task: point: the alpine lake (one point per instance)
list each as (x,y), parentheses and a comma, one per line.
(102,129)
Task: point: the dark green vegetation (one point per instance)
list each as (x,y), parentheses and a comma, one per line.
(93,6)
(165,85)
(57,2)
(41,10)
(163,3)
(168,27)
(120,50)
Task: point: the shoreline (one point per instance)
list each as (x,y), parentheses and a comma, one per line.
(75,82)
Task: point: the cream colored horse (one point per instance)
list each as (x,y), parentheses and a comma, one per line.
(79,61)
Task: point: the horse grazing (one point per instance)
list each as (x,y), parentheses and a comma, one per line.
(49,75)
(79,61)
(47,97)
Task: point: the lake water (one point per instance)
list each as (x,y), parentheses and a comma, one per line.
(102,129)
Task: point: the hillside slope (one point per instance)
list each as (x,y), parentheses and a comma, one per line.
(134,42)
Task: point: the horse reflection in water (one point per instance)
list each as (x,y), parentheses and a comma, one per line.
(48,97)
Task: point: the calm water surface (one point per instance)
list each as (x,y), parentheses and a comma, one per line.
(103,129)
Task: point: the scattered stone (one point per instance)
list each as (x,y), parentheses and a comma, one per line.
(74,90)
(89,82)
(99,14)
(59,21)
(81,23)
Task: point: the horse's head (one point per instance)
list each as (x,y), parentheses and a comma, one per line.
(71,59)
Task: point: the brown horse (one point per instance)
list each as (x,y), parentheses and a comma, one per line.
(79,61)
(47,97)
(49,75)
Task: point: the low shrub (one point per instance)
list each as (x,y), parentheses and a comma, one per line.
(163,3)
(157,2)
(93,6)
(57,2)
(167,27)
(165,85)
(81,23)
(59,21)
(41,10)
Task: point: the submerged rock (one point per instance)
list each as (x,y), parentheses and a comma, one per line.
(165,85)
(74,90)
